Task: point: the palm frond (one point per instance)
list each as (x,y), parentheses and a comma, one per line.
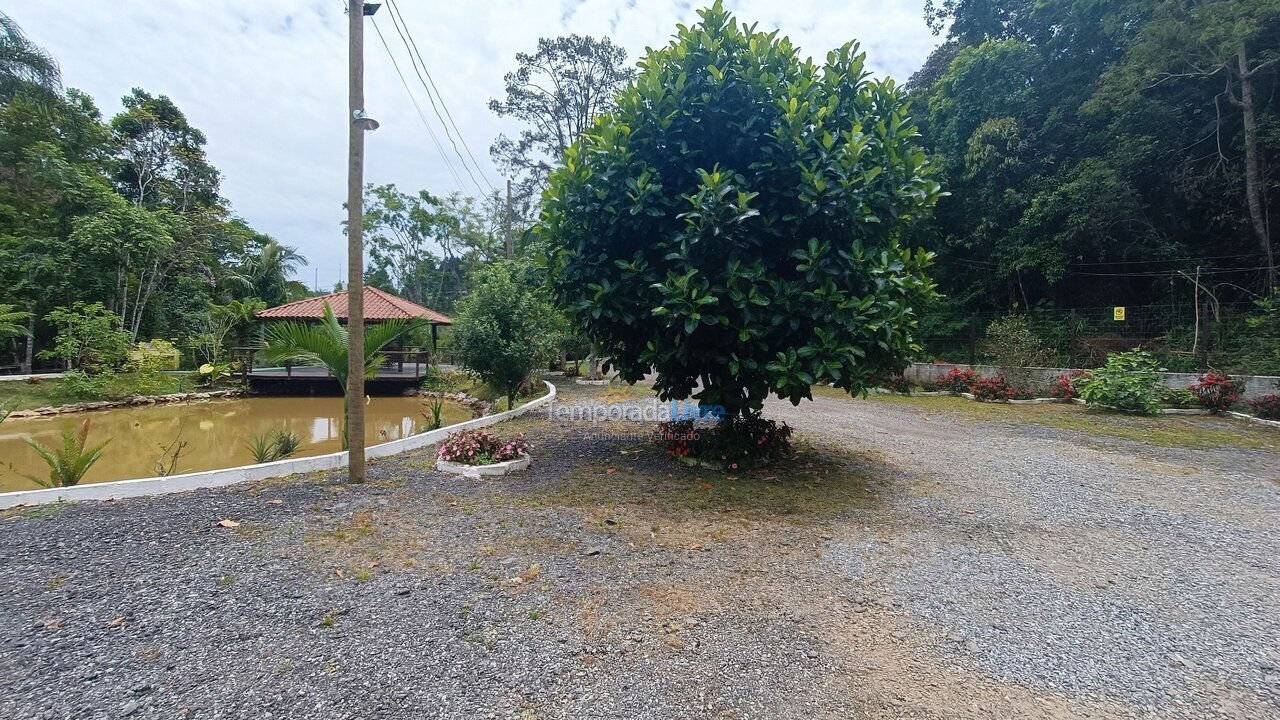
(12,321)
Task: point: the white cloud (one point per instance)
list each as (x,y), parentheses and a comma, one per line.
(266,81)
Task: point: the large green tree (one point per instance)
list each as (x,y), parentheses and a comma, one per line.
(734,223)
(556,91)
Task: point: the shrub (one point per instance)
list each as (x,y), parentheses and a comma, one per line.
(735,442)
(1011,343)
(734,223)
(1176,398)
(958,380)
(1216,392)
(1065,387)
(998,389)
(1266,407)
(435,406)
(479,447)
(897,384)
(84,386)
(1128,382)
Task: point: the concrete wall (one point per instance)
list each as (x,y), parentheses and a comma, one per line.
(1255,385)
(249,473)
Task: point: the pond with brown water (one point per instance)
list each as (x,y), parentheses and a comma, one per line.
(216,432)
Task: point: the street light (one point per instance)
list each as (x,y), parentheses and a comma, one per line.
(363,121)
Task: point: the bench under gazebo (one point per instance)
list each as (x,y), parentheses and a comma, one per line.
(402,369)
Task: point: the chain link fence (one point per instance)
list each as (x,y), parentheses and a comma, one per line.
(1184,337)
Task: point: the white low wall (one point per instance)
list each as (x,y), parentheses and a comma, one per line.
(921,373)
(249,473)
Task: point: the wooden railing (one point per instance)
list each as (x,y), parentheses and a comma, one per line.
(418,362)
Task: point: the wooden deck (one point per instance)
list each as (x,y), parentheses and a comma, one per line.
(402,371)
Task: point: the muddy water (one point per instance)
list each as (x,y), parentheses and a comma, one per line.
(216,433)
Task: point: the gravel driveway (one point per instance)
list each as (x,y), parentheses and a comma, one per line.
(916,560)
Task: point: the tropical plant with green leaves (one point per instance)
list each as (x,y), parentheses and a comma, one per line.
(12,321)
(70,463)
(23,64)
(1130,382)
(326,344)
(272,446)
(734,222)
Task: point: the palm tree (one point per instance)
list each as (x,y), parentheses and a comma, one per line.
(12,322)
(23,63)
(271,269)
(326,345)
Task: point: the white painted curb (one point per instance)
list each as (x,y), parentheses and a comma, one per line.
(249,473)
(476,472)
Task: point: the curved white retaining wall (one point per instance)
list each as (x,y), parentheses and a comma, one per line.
(248,473)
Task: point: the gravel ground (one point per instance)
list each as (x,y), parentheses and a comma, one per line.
(914,561)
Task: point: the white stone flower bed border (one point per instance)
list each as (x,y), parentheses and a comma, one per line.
(482,471)
(248,473)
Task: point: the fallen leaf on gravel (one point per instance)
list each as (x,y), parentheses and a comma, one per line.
(227,523)
(610,470)
(117,622)
(277,501)
(673,641)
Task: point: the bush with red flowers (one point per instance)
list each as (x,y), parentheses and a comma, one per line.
(993,389)
(1266,407)
(1064,388)
(958,380)
(733,443)
(897,384)
(478,447)
(1216,392)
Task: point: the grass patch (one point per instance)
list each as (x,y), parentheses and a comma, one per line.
(819,482)
(23,395)
(1170,431)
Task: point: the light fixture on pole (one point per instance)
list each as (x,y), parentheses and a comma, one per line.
(363,121)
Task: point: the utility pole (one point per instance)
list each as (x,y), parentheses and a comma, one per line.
(511,241)
(357,122)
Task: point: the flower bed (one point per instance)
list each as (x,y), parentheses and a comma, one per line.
(479,453)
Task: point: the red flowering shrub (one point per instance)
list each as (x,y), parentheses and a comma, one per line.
(1266,407)
(1216,392)
(994,389)
(958,380)
(896,384)
(735,442)
(478,447)
(1064,388)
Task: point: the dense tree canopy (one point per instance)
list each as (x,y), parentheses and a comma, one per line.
(733,224)
(1092,150)
(122,212)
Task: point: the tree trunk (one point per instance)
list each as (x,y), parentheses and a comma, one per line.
(29,357)
(1253,166)
(593,363)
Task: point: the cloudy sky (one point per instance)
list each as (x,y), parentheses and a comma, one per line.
(266,81)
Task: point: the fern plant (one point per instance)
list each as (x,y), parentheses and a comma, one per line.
(68,464)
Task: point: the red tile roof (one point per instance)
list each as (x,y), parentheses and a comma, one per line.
(379,306)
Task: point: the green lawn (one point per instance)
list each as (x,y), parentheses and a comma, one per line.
(23,395)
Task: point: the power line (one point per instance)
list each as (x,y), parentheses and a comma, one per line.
(415,59)
(421,115)
(396,11)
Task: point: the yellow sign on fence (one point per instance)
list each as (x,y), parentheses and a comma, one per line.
(1117,314)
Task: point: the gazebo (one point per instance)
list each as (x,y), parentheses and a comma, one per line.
(379,306)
